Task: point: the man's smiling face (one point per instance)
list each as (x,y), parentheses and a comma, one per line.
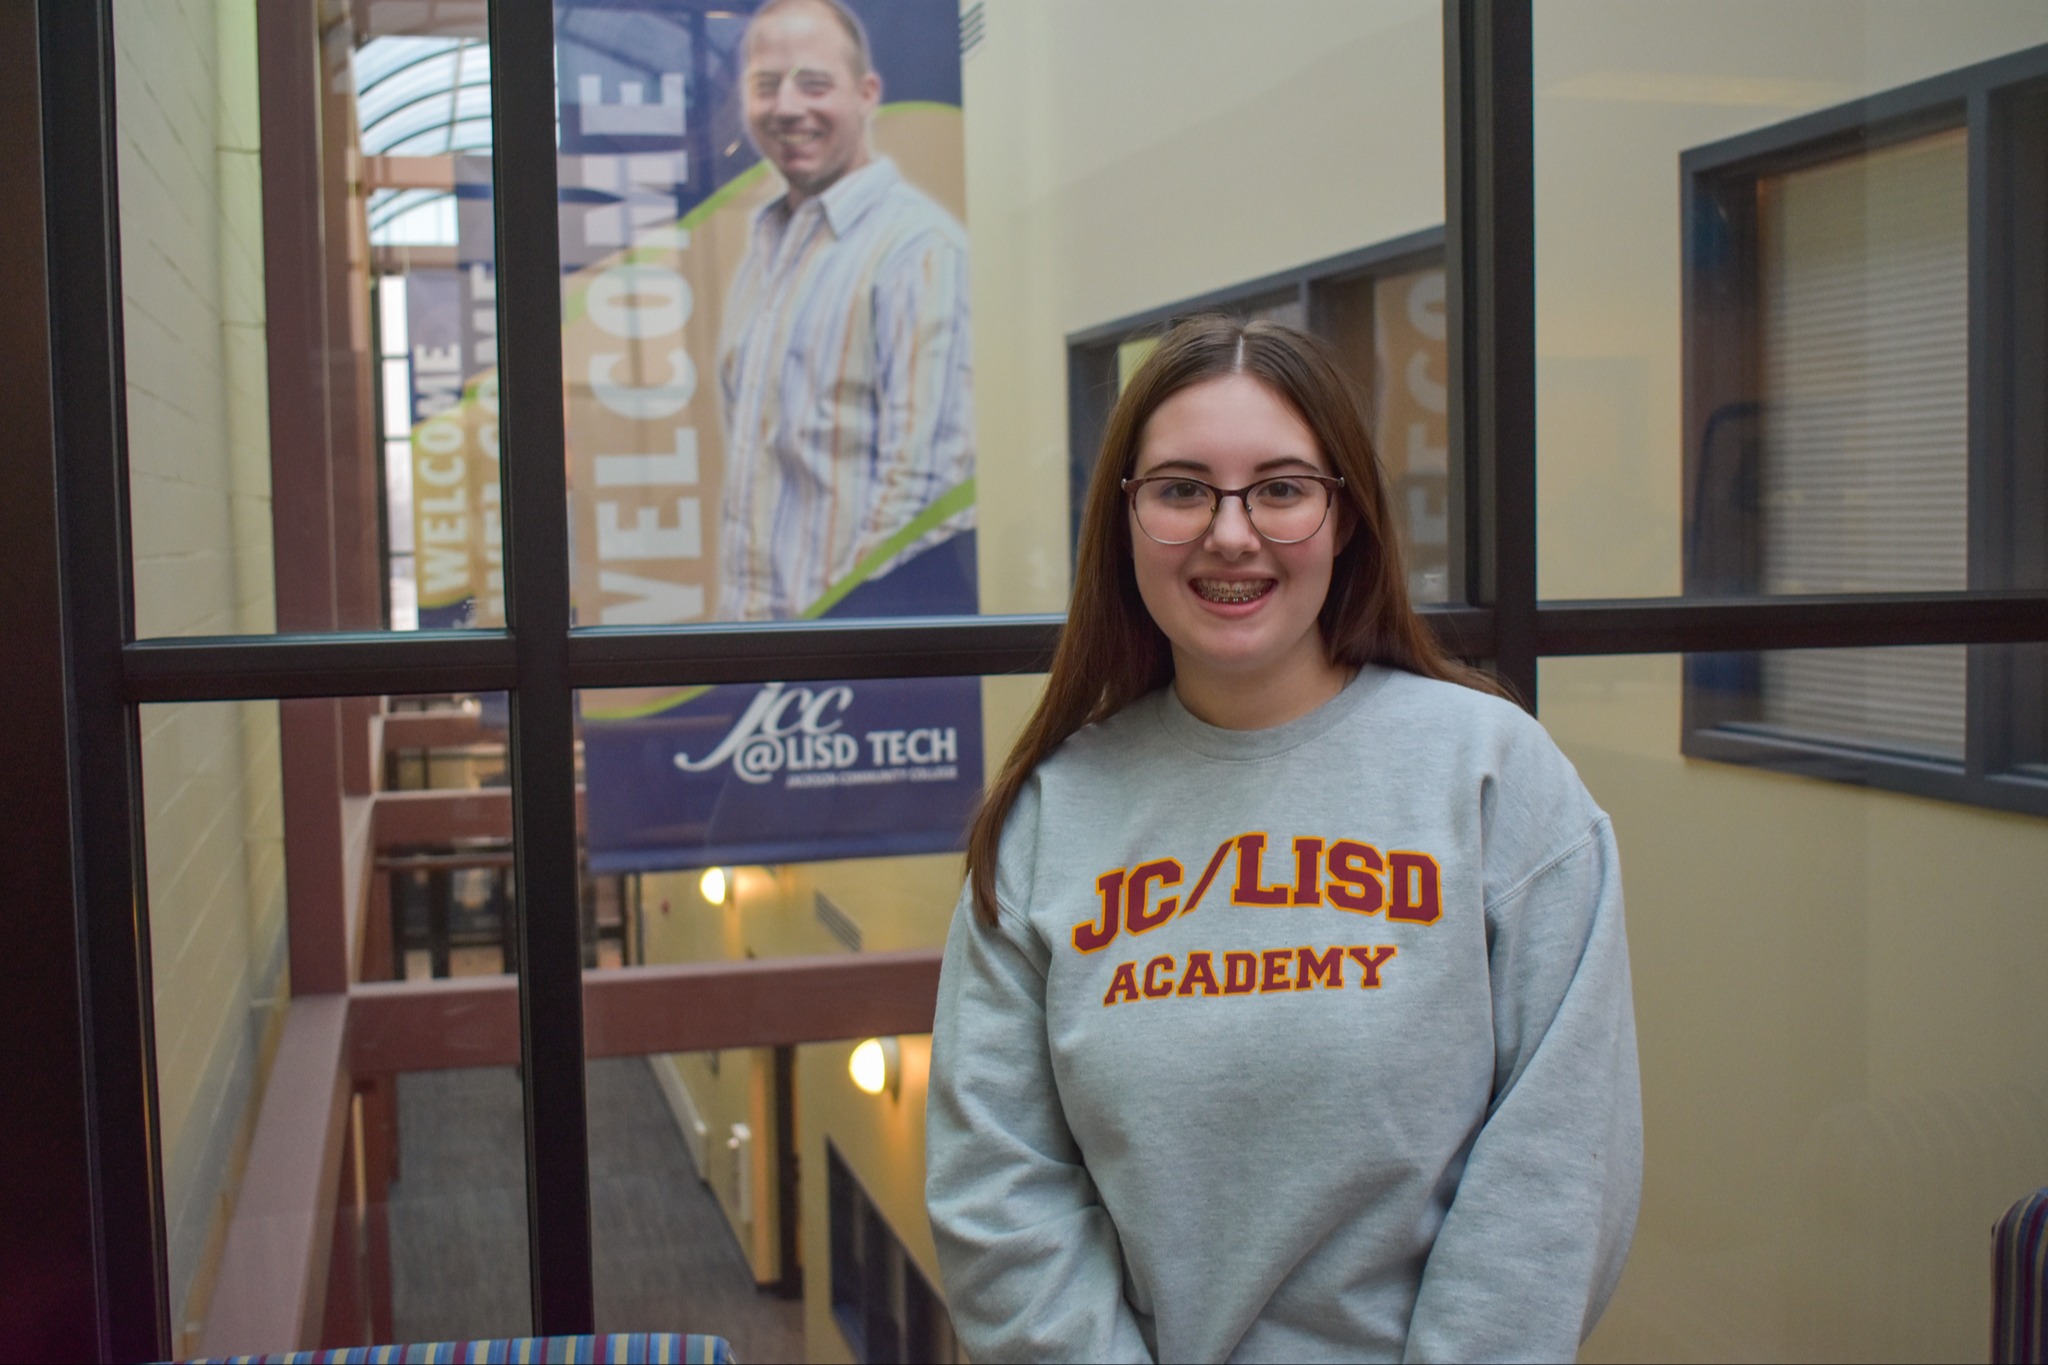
(807,109)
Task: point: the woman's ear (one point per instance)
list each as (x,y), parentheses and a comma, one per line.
(1347,522)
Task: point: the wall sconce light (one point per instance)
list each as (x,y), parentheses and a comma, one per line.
(713,885)
(877,1065)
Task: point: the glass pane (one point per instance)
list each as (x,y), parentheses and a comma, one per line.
(1753,323)
(1972,714)
(312,443)
(1838,1103)
(749,824)
(683,1168)
(1864,293)
(1908,701)
(337,1171)
(795,391)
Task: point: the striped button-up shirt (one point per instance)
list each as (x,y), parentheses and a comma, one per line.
(848,406)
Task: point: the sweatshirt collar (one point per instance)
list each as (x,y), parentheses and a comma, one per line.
(1214,741)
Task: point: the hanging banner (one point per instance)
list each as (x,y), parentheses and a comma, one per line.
(452,320)
(770,417)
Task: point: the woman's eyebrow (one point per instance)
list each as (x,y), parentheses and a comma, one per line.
(1201,468)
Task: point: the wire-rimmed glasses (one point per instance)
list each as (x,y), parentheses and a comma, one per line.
(1285,509)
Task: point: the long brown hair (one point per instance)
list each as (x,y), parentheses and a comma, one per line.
(1111,652)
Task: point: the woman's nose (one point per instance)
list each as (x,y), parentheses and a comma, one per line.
(1231,531)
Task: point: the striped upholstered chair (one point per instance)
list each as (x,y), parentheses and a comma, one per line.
(2019,1283)
(636,1348)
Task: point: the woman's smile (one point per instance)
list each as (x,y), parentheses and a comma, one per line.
(1232,591)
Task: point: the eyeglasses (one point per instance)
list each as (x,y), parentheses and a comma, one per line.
(1285,509)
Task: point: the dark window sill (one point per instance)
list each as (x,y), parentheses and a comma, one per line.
(2023,791)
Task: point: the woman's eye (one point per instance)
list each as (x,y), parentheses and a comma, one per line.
(1183,490)
(1282,491)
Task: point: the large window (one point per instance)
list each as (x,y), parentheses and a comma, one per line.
(1864,290)
(256,825)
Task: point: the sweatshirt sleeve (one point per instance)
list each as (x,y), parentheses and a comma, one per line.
(1031,1262)
(1536,1234)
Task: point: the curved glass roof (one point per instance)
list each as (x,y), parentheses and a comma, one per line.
(421,96)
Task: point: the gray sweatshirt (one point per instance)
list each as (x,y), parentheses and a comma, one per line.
(1305,1043)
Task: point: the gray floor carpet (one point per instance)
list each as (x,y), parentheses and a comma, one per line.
(666,1259)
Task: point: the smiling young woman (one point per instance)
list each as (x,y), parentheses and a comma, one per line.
(1286,1012)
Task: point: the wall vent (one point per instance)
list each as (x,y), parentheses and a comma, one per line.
(837,923)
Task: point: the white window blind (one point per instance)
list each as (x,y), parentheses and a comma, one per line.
(1864,328)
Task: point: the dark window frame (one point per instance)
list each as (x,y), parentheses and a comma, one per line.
(2003,106)
(885,1321)
(75,984)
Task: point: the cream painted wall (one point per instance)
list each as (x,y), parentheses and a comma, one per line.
(1842,1061)
(192,283)
(1842,1088)
(734,1086)
(882,1139)
(1125,154)
(1622,88)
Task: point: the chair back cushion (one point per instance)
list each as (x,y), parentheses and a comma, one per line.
(625,1348)
(2019,1283)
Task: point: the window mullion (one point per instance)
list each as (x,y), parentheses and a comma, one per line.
(1989,451)
(536,555)
(88,385)
(1490,278)
(2008,288)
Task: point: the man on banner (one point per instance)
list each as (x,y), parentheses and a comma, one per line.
(843,363)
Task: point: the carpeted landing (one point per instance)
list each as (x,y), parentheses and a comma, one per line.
(666,1259)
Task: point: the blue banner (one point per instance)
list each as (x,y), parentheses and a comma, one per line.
(786,773)
(452,320)
(436,364)
(663,131)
